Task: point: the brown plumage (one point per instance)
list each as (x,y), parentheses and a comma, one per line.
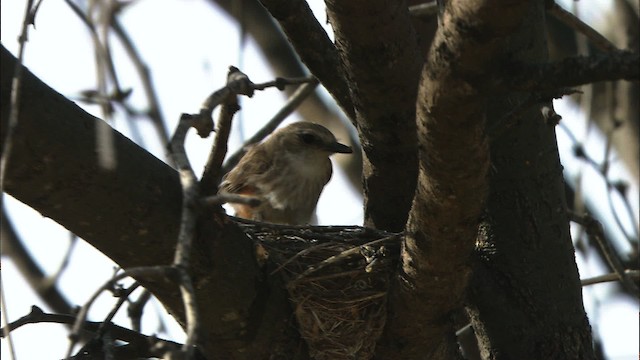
(287,172)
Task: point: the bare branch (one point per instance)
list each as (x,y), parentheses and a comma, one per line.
(147,272)
(7,146)
(30,270)
(16,92)
(134,310)
(190,196)
(153,110)
(424,10)
(105,71)
(6,332)
(574,71)
(314,48)
(123,296)
(142,342)
(220,199)
(633,274)
(574,22)
(213,172)
(594,229)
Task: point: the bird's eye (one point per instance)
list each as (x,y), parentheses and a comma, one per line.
(308,138)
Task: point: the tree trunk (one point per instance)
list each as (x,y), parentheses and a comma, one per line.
(525,298)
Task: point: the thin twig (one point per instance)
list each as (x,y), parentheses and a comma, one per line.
(224,198)
(427,9)
(595,230)
(73,240)
(6,330)
(104,144)
(153,110)
(574,22)
(16,89)
(122,298)
(13,247)
(37,316)
(299,254)
(314,48)
(336,259)
(14,114)
(580,152)
(213,169)
(294,101)
(134,310)
(634,274)
(190,197)
(145,272)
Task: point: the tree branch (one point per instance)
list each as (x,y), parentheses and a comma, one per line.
(379,54)
(314,48)
(524,264)
(594,229)
(574,22)
(452,182)
(574,71)
(47,290)
(142,342)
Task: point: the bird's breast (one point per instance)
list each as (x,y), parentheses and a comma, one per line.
(294,193)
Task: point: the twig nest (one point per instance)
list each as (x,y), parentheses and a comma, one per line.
(337,279)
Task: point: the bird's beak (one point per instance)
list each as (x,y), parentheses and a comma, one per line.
(336,147)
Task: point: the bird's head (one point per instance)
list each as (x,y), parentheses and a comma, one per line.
(309,140)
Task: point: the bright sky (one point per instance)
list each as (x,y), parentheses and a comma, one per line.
(189,48)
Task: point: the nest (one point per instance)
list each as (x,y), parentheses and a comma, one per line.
(337,279)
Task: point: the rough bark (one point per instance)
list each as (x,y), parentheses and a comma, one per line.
(574,71)
(452,182)
(379,54)
(525,271)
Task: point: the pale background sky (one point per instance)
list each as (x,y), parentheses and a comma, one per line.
(189,46)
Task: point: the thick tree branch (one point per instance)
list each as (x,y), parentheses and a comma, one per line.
(575,71)
(55,164)
(525,270)
(452,183)
(379,53)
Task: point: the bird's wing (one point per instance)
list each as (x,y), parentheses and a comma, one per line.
(239,179)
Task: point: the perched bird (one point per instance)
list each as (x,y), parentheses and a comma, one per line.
(287,172)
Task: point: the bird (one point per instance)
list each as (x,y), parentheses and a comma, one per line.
(287,172)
